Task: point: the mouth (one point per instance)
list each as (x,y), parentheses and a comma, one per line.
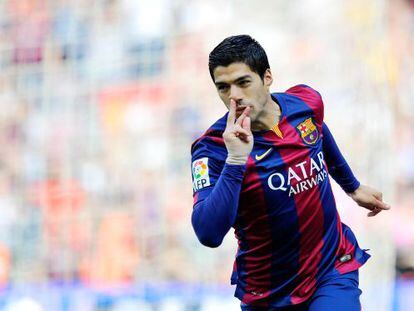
(240,109)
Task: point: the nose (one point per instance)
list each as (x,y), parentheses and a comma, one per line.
(235,93)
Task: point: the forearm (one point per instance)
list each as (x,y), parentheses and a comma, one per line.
(337,165)
(213,217)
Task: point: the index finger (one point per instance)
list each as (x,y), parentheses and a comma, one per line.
(231,118)
(382,205)
(244,114)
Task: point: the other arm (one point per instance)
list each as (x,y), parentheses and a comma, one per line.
(337,165)
(340,171)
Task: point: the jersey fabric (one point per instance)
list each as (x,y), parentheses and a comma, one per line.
(280,204)
(335,291)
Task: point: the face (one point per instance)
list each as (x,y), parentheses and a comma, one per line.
(237,81)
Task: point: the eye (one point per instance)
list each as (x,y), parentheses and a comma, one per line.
(244,83)
(222,87)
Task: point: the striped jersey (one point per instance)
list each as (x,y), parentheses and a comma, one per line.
(287,226)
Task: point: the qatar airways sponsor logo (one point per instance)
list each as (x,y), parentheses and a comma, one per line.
(301,177)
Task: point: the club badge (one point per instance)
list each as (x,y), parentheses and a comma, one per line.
(308,131)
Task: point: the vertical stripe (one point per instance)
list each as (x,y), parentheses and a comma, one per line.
(336,244)
(310,218)
(309,99)
(255,252)
(284,223)
(332,227)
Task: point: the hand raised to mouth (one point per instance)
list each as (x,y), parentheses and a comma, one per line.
(238,136)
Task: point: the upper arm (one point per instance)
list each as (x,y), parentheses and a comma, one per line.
(333,155)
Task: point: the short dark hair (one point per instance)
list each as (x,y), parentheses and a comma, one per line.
(241,48)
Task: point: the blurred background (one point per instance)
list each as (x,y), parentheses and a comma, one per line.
(100,101)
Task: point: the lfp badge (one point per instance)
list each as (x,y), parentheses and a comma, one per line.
(201,178)
(308,131)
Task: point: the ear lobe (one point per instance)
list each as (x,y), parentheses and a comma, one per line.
(268,78)
(269,81)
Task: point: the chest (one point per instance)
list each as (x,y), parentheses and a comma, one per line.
(282,166)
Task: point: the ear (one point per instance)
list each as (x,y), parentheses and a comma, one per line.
(268,78)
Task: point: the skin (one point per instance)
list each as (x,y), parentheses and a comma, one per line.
(239,83)
(251,108)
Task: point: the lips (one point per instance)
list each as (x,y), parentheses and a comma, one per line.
(240,109)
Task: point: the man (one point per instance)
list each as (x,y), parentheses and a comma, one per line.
(263,170)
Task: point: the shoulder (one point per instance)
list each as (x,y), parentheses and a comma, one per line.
(304,92)
(303,99)
(211,143)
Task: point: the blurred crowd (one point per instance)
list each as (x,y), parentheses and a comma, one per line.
(99,103)
(85,124)
(401,84)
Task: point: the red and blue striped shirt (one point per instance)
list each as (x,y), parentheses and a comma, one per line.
(280,204)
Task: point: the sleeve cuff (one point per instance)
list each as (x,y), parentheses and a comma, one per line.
(348,188)
(234,172)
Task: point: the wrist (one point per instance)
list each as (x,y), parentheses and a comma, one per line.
(351,188)
(355,195)
(234,172)
(236,160)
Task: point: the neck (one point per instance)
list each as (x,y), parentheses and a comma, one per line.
(268,117)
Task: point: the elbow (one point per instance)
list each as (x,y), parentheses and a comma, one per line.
(209,232)
(209,241)
(205,234)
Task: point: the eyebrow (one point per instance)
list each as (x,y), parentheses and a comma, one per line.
(237,80)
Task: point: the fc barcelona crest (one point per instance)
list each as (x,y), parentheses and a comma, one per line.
(308,131)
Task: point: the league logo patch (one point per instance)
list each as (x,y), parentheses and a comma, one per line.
(201,178)
(308,131)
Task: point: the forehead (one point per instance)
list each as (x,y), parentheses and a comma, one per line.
(232,72)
